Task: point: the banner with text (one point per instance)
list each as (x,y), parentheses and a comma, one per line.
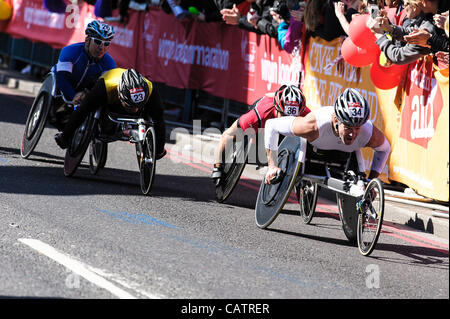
(418,128)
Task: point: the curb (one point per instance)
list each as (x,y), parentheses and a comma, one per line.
(425,217)
(12,82)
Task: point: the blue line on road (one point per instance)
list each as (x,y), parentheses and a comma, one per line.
(140,218)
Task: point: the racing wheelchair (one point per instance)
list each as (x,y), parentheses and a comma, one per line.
(96,132)
(102,127)
(360,202)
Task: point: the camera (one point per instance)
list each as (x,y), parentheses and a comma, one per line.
(281,8)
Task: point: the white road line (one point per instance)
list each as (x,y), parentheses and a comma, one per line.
(75,266)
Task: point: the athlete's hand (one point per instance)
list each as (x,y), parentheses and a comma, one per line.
(271,173)
(78,98)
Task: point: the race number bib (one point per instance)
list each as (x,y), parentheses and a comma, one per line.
(137,95)
(356,110)
(291,108)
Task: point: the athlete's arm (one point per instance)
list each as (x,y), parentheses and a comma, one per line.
(63,73)
(381,148)
(289,126)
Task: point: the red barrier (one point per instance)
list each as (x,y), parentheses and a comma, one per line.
(220,59)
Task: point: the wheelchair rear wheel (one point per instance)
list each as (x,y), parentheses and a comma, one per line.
(78,146)
(146,153)
(370,219)
(98,152)
(232,171)
(34,126)
(307,199)
(348,215)
(272,197)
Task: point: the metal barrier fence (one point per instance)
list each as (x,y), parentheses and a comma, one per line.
(184,105)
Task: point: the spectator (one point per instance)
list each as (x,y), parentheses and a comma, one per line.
(407,53)
(321,20)
(394,11)
(294,32)
(258,18)
(436,41)
(344,14)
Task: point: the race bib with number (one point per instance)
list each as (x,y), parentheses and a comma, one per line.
(137,95)
(356,110)
(291,108)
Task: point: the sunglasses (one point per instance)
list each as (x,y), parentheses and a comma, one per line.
(100,42)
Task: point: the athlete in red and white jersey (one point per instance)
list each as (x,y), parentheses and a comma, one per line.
(344,127)
(288,100)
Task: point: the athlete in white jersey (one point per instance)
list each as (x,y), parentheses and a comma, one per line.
(344,127)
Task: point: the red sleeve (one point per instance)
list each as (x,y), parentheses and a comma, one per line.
(305,111)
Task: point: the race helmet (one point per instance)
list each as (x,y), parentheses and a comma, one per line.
(134,90)
(289,100)
(99,30)
(351,108)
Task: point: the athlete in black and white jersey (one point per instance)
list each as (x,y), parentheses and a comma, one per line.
(344,127)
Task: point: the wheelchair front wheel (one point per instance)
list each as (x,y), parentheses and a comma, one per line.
(307,198)
(370,216)
(146,153)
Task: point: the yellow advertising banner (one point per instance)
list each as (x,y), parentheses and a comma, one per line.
(414,116)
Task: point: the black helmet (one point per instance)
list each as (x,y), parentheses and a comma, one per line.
(134,90)
(100,30)
(351,108)
(289,95)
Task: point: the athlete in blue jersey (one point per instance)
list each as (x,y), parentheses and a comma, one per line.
(81,64)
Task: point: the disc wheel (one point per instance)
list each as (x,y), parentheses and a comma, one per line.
(370,218)
(232,171)
(34,126)
(307,198)
(146,153)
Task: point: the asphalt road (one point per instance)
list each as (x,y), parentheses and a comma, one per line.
(98,237)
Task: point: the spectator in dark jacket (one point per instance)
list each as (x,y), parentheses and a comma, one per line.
(407,53)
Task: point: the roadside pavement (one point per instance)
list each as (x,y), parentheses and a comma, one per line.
(401,207)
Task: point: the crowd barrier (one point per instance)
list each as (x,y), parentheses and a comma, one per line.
(233,64)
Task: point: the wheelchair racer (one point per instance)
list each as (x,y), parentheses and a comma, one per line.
(80,64)
(287,100)
(122,91)
(344,127)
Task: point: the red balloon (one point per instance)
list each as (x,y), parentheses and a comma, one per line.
(357,56)
(360,33)
(386,78)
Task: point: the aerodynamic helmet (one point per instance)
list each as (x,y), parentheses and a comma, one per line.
(134,90)
(99,30)
(351,108)
(289,100)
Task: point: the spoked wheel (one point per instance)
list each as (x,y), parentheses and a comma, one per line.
(370,219)
(307,199)
(98,152)
(146,153)
(37,117)
(348,215)
(232,171)
(78,146)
